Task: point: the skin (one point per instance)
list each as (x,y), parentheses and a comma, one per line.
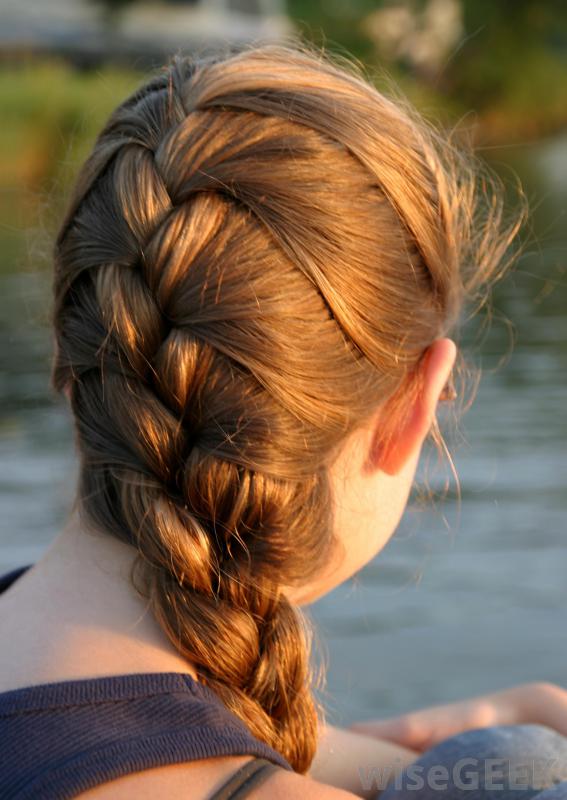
(93,624)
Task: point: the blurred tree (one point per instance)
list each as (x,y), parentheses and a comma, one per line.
(112,9)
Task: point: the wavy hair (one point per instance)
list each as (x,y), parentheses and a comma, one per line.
(258,250)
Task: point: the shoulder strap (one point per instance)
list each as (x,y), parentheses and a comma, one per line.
(252,774)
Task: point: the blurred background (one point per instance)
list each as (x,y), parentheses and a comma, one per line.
(467,597)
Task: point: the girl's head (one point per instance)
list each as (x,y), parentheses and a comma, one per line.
(254,282)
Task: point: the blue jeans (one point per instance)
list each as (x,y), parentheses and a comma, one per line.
(508,762)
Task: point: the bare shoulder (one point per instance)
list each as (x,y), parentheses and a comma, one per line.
(199,780)
(194,779)
(285,785)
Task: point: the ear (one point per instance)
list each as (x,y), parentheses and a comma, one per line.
(406,441)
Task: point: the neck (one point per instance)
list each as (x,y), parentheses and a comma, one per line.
(79,611)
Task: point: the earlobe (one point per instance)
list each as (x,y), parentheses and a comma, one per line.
(406,440)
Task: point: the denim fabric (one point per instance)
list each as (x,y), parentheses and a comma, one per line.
(508,762)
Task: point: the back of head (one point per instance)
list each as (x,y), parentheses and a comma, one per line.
(259,249)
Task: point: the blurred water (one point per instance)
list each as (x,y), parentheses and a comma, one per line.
(460,601)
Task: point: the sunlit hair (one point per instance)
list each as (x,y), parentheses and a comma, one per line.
(258,251)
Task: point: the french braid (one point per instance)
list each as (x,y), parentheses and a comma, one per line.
(259,247)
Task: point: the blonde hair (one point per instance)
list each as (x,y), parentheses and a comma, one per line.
(258,250)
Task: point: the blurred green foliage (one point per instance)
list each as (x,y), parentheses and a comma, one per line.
(51,114)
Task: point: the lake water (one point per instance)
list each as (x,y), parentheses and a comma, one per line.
(461,601)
